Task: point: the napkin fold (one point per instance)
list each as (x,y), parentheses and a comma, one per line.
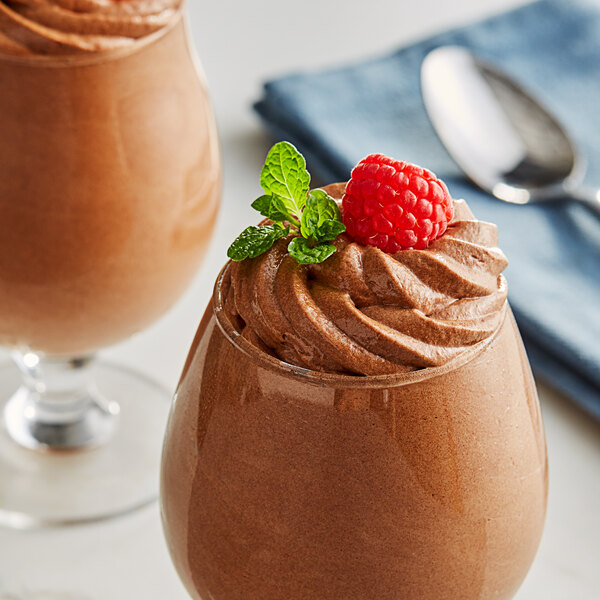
(552,47)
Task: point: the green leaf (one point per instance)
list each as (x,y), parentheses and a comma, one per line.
(253,241)
(271,207)
(285,176)
(321,219)
(300,249)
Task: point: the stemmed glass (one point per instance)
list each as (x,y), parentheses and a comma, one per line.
(110,181)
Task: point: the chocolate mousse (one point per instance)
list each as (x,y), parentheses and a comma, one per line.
(42,27)
(109,170)
(361,427)
(367,312)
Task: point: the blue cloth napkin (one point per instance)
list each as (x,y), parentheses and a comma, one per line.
(553,47)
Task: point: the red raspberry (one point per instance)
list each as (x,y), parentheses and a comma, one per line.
(394,205)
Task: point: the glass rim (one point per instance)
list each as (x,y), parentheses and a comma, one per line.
(337,380)
(65,61)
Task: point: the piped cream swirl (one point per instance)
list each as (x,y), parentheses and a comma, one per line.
(49,27)
(366,312)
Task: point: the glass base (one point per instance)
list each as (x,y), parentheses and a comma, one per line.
(48,488)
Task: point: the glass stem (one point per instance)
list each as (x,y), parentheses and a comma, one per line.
(58,406)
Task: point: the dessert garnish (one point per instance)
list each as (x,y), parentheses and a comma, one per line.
(292,207)
(388,203)
(395,205)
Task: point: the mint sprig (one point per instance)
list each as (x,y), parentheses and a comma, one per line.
(292,206)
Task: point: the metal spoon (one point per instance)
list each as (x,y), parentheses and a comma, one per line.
(500,136)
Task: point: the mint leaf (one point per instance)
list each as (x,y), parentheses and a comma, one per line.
(285,176)
(321,219)
(271,207)
(253,241)
(300,249)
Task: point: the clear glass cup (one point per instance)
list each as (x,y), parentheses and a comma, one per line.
(110,179)
(279,482)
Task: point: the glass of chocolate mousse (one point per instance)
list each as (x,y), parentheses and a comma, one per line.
(110,181)
(361,426)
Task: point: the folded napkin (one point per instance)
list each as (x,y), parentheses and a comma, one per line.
(553,47)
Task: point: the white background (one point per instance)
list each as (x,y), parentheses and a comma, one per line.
(241,43)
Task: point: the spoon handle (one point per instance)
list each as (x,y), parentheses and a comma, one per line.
(589,197)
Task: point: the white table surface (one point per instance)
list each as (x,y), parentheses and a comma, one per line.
(241,44)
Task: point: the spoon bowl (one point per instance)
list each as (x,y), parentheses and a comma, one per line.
(502,137)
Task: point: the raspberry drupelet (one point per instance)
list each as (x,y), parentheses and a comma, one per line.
(395,205)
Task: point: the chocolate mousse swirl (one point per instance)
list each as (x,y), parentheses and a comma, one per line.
(48,27)
(366,312)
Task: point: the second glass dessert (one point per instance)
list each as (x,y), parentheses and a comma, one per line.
(109,188)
